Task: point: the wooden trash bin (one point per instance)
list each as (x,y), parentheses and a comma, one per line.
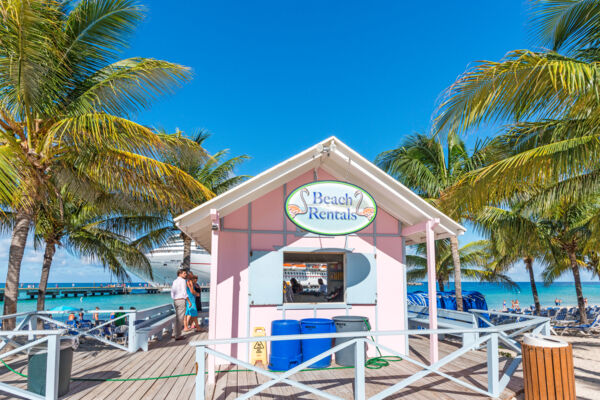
(547,368)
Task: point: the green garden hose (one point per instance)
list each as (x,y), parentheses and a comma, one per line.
(380,361)
(372,363)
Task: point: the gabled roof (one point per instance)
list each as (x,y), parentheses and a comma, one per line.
(339,160)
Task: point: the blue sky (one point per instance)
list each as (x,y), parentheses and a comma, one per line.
(274,77)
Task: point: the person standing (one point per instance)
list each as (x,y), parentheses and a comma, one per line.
(198,290)
(191,312)
(179,296)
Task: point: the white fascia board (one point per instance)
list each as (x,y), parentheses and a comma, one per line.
(276,173)
(404,203)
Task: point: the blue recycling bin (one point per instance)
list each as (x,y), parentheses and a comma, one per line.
(285,354)
(313,347)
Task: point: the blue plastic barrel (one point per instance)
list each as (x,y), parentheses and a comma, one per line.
(313,347)
(285,354)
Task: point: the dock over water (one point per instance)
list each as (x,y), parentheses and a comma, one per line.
(167,357)
(83,291)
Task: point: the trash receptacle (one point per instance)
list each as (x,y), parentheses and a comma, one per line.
(285,354)
(547,368)
(314,347)
(36,367)
(348,323)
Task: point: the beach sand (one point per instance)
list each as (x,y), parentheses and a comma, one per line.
(586,360)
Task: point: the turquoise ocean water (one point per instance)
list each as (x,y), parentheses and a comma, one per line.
(493,293)
(138,300)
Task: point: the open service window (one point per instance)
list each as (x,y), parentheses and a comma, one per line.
(313,278)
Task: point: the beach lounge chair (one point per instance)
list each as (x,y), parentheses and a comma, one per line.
(585,329)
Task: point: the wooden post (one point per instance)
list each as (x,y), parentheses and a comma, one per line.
(431,289)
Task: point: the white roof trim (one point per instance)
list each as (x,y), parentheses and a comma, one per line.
(339,160)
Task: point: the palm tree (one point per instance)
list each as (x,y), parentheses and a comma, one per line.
(80,229)
(475,259)
(549,96)
(514,236)
(65,105)
(214,172)
(429,167)
(567,228)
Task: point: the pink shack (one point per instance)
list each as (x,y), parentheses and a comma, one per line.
(321,234)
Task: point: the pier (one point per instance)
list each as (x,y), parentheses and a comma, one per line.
(55,292)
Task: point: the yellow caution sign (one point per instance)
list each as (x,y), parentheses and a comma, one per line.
(259,349)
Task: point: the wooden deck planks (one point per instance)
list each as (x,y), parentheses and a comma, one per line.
(169,358)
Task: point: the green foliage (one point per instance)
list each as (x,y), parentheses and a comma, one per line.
(475,260)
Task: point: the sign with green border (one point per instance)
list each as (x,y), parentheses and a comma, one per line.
(331,208)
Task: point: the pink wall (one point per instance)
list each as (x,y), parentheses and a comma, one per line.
(267,213)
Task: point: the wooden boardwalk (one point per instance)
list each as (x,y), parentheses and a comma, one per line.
(168,357)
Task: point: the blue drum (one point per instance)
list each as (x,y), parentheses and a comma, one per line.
(285,354)
(313,347)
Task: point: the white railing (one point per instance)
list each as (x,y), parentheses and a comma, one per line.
(52,340)
(95,332)
(27,321)
(490,337)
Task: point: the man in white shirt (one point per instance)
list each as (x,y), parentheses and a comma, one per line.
(179,295)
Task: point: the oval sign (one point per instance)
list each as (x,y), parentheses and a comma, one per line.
(330,207)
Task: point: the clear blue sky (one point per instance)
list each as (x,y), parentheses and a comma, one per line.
(273,77)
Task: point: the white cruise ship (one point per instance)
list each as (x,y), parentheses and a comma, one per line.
(167,259)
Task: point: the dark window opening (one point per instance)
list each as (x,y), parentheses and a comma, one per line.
(313,278)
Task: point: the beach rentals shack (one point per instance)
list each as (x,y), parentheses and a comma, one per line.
(326,220)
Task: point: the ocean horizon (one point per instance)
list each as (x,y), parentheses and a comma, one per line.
(494,294)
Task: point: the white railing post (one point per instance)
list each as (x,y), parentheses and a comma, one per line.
(546,328)
(200,378)
(31,325)
(131,336)
(493,366)
(359,370)
(52,367)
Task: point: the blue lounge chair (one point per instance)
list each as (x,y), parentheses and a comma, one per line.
(582,328)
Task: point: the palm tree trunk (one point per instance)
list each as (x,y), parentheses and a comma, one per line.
(457,278)
(441,284)
(536,299)
(187,251)
(578,289)
(15,256)
(48,256)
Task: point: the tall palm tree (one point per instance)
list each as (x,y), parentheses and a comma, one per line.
(429,166)
(566,227)
(475,260)
(549,97)
(80,229)
(515,236)
(65,105)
